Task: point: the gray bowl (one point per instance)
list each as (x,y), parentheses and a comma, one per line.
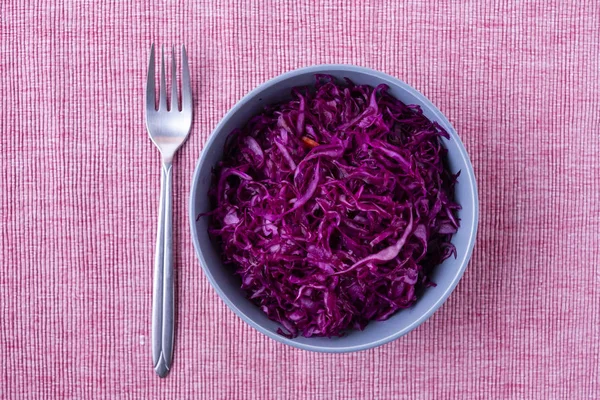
(227,284)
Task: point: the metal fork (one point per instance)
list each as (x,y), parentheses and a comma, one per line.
(168,129)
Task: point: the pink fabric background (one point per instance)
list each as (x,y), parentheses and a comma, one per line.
(520,81)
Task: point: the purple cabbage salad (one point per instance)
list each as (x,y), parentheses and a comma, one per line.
(334,207)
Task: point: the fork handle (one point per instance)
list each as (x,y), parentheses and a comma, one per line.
(163,310)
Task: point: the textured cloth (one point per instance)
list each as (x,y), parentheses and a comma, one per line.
(520,81)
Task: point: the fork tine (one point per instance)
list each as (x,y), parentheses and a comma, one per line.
(186,89)
(174,100)
(162,103)
(150,90)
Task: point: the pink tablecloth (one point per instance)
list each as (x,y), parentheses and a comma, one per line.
(520,81)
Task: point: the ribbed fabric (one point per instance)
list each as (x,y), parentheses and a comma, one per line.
(520,81)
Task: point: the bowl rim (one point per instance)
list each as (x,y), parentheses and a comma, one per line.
(467,172)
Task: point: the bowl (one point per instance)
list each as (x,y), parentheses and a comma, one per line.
(227,284)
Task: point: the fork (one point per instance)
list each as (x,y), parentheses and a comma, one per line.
(168,129)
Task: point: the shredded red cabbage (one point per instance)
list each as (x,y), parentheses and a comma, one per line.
(334,207)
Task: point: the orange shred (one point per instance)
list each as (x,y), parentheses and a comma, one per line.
(309,142)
